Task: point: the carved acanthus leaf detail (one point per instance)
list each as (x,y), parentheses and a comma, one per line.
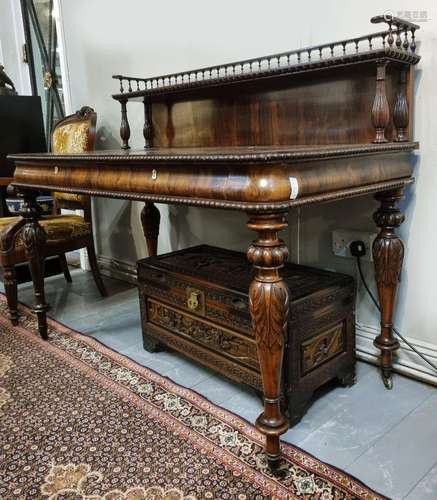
(269,303)
(388,255)
(34,238)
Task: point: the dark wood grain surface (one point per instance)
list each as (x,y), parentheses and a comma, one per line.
(241,183)
(228,154)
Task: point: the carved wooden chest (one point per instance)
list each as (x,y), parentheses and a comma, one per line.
(196,301)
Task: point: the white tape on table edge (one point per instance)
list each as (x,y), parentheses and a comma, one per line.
(294,185)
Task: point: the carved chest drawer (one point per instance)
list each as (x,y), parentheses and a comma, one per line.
(196,301)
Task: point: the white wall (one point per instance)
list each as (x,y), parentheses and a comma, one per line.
(106,37)
(11,44)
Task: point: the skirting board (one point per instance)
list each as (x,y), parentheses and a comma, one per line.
(406,362)
(117,269)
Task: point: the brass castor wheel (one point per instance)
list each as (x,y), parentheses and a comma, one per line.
(388,381)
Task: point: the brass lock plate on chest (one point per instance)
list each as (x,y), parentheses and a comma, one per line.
(196,301)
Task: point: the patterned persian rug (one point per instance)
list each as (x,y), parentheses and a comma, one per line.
(79,421)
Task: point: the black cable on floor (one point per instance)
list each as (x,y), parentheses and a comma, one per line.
(360,270)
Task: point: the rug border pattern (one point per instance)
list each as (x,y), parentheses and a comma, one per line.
(271,485)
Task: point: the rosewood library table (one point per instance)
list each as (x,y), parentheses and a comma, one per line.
(262,136)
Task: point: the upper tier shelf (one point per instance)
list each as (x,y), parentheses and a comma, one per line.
(397,43)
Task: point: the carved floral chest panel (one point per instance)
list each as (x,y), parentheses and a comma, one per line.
(196,301)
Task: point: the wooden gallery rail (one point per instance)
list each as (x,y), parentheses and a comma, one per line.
(262,136)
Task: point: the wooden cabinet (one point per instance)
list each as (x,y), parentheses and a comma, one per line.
(196,301)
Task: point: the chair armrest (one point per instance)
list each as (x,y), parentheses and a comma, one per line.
(9,234)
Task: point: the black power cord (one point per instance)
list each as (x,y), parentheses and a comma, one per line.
(358,250)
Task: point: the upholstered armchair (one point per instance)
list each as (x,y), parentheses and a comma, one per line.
(65,233)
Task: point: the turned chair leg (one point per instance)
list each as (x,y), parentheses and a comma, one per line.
(92,259)
(34,241)
(10,282)
(64,267)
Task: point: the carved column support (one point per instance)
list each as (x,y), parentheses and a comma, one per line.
(148,126)
(124,127)
(34,241)
(170,131)
(380,109)
(400,111)
(388,254)
(150,220)
(269,308)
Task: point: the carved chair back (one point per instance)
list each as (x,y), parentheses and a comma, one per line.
(75,133)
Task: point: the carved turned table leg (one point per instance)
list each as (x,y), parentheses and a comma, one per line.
(269,304)
(388,254)
(34,240)
(150,219)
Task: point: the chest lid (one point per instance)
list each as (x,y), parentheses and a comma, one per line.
(231,270)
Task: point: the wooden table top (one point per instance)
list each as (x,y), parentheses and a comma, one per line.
(236,154)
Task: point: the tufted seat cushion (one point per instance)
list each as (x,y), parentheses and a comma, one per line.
(59,228)
(77,198)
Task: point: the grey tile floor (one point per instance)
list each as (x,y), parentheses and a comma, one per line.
(385,438)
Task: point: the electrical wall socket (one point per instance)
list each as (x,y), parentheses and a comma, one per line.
(342,238)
